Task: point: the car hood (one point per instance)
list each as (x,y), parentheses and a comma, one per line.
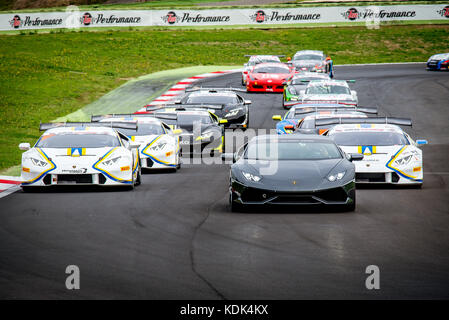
(80,157)
(271,76)
(291,175)
(336,97)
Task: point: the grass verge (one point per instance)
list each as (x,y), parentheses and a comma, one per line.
(47,76)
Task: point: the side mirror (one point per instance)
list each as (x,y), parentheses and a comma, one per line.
(222,121)
(355,157)
(177,102)
(419,142)
(284,83)
(24,146)
(228,157)
(277,117)
(247,102)
(177,131)
(289,127)
(134,145)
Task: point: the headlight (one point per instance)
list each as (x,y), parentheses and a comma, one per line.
(158,146)
(38,162)
(337,176)
(232,113)
(251,177)
(404,160)
(112,161)
(292,90)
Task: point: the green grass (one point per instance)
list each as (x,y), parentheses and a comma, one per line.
(47,76)
(194,4)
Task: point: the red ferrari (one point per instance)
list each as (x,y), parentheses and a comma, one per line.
(268,77)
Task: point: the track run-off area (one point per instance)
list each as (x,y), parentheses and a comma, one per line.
(174,236)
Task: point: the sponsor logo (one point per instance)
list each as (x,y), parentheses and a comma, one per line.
(444,12)
(86,19)
(260,16)
(17,22)
(353,14)
(171,18)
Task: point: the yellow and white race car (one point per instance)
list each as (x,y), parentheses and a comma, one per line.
(81,153)
(159,143)
(390,155)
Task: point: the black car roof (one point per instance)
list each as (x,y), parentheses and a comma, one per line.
(291,137)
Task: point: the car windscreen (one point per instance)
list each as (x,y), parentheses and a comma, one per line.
(70,140)
(292,150)
(144,129)
(189,119)
(271,70)
(308,57)
(212,99)
(369,138)
(304,80)
(328,89)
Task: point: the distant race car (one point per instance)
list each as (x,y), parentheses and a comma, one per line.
(81,153)
(327,91)
(311,124)
(314,61)
(298,83)
(225,103)
(257,59)
(268,77)
(291,170)
(438,62)
(159,144)
(202,132)
(296,114)
(390,154)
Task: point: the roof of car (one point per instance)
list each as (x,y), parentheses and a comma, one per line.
(366,127)
(206,92)
(132,119)
(308,51)
(81,130)
(339,113)
(257,57)
(329,82)
(272,64)
(290,137)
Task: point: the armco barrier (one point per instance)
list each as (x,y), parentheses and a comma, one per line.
(222,17)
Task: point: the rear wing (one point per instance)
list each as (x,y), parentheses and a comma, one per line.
(164,115)
(306,102)
(348,81)
(113,124)
(214,89)
(308,110)
(374,120)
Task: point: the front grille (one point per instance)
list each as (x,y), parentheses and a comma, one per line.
(260,195)
(238,120)
(370,177)
(280,87)
(101,179)
(75,178)
(257,87)
(394,177)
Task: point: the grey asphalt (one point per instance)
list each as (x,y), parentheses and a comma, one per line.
(175,238)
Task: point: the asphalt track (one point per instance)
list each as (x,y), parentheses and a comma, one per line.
(174,237)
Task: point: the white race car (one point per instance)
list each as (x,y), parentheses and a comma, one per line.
(81,153)
(328,91)
(256,59)
(159,144)
(390,154)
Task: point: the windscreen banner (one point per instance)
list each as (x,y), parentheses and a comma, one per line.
(74,18)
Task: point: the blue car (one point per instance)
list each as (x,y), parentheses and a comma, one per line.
(438,61)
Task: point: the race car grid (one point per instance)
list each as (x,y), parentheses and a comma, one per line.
(10,184)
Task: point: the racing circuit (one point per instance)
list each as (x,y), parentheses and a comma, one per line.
(174,236)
